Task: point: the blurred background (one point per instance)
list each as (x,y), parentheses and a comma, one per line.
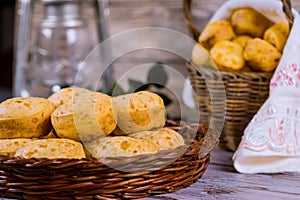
(6,46)
(124,15)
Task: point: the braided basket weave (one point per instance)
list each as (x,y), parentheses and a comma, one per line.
(245,91)
(91,179)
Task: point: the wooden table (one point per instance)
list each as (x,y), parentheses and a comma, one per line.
(221,181)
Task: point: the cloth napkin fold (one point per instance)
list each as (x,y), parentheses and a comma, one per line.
(271,140)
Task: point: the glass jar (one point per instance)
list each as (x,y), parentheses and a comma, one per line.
(49,50)
(62,42)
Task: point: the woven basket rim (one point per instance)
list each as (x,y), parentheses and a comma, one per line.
(258,73)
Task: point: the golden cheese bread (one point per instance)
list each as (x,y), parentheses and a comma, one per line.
(9,147)
(163,139)
(214,32)
(242,40)
(277,35)
(253,31)
(25,117)
(89,117)
(52,149)
(261,56)
(66,95)
(228,55)
(247,21)
(200,56)
(119,146)
(139,111)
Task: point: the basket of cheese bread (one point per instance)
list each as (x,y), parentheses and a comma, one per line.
(80,144)
(245,39)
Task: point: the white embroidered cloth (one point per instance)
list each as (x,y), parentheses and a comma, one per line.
(271,140)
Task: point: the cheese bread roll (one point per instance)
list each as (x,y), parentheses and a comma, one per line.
(247,21)
(25,117)
(200,56)
(228,55)
(66,96)
(52,149)
(277,35)
(163,139)
(139,112)
(261,56)
(120,146)
(242,40)
(9,147)
(90,116)
(214,32)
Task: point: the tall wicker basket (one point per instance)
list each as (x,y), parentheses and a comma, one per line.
(245,91)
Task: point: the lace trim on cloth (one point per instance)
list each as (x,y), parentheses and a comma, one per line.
(279,116)
(283,122)
(287,76)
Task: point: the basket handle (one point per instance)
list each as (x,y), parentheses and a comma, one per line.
(287,9)
(187,5)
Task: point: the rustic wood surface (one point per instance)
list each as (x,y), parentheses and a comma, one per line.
(221,181)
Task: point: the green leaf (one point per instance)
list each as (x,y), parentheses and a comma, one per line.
(157,75)
(134,85)
(116,90)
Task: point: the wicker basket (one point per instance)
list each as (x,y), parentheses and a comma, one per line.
(91,179)
(245,91)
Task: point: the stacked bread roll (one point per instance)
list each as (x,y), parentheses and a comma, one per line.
(23,122)
(84,116)
(76,122)
(138,112)
(246,41)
